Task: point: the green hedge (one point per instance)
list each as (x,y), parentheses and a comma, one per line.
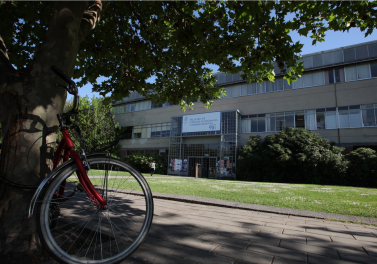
(142,163)
(301,156)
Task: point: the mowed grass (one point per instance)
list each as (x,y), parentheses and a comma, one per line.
(94,172)
(321,198)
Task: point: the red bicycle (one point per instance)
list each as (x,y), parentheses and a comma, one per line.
(92,208)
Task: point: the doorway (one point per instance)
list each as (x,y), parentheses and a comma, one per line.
(207,168)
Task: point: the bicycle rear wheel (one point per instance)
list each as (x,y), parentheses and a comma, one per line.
(74,230)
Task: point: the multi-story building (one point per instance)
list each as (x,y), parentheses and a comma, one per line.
(336,97)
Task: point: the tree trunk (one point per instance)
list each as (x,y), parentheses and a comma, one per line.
(29,102)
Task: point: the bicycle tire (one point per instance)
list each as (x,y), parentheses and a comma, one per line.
(83,233)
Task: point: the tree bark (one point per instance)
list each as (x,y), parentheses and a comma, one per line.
(29,103)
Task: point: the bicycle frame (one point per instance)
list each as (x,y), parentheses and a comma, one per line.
(67,146)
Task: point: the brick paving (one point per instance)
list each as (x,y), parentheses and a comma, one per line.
(195,233)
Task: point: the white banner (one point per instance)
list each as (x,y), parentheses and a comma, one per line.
(201,122)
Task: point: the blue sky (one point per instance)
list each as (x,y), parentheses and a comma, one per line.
(332,40)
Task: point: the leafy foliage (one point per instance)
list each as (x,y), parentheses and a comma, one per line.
(142,163)
(292,156)
(362,168)
(174,41)
(96,125)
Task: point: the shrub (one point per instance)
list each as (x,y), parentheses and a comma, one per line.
(292,156)
(142,163)
(362,168)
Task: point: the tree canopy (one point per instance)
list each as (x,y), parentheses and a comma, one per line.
(175,41)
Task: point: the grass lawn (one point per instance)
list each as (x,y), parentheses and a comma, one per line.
(322,198)
(93,172)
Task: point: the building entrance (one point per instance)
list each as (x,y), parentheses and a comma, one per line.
(207,168)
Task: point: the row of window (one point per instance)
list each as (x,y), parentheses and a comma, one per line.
(337,75)
(347,55)
(325,118)
(147,131)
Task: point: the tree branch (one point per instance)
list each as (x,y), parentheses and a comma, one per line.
(178,11)
(5,66)
(91,17)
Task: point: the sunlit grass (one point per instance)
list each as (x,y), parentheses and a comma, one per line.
(321,198)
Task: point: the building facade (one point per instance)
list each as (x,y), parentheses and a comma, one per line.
(335,97)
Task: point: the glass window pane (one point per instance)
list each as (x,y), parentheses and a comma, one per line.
(349,55)
(270,123)
(339,75)
(318,78)
(363,71)
(337,56)
(317,60)
(373,69)
(320,120)
(308,80)
(327,57)
(372,50)
(254,125)
(244,89)
(259,88)
(308,62)
(361,52)
(236,91)
(261,124)
(270,86)
(351,73)
(329,76)
(279,84)
(343,119)
(286,85)
(355,118)
(280,123)
(245,125)
(300,121)
(289,121)
(368,117)
(148,132)
(330,120)
(310,120)
(299,83)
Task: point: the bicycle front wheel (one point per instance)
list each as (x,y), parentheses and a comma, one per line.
(73,229)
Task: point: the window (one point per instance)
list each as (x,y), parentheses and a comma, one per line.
(299,83)
(280,121)
(373,69)
(355,118)
(246,125)
(300,119)
(289,119)
(259,87)
(363,71)
(339,75)
(317,78)
(270,86)
(343,119)
(236,91)
(349,55)
(279,84)
(369,115)
(310,120)
(136,132)
(308,79)
(270,120)
(320,119)
(286,85)
(351,73)
(330,120)
(329,77)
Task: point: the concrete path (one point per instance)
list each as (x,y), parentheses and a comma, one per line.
(195,233)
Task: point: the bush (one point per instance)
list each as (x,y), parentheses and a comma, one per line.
(362,168)
(142,163)
(292,156)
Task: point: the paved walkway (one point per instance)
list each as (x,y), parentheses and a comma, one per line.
(188,229)
(196,233)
